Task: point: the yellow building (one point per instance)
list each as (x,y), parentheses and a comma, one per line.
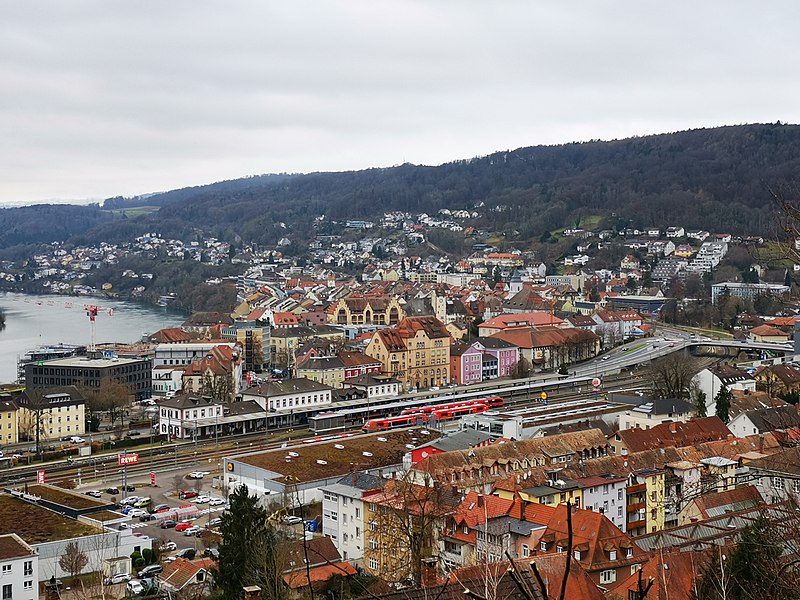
(366,310)
(55,412)
(284,342)
(646,504)
(401,529)
(553,493)
(9,422)
(416,352)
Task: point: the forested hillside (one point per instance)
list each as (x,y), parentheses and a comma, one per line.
(708,178)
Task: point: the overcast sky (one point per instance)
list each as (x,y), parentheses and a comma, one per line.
(104,98)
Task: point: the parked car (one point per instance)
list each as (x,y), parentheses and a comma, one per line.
(150,570)
(130,488)
(112,490)
(159,507)
(94,493)
(186,494)
(130,500)
(76,439)
(117,578)
(135,587)
(187,553)
(147,517)
(202,499)
(215,522)
(131,434)
(196,475)
(168,524)
(183,526)
(193,530)
(216,502)
(168,546)
(142,502)
(136,513)
(211,553)
(292,520)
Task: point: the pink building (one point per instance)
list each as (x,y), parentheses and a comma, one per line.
(466,364)
(507,354)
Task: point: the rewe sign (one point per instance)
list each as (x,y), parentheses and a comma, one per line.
(128,459)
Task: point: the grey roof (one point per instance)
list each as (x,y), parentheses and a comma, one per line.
(770,419)
(491,343)
(461,440)
(664,406)
(362,481)
(304,331)
(286,387)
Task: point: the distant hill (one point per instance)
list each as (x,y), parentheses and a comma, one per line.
(714,179)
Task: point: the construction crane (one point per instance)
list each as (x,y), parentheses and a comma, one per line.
(91,312)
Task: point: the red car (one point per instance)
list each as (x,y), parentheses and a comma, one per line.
(183,525)
(186,494)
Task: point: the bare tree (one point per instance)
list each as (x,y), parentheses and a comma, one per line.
(671,375)
(402,530)
(73,561)
(34,416)
(111,396)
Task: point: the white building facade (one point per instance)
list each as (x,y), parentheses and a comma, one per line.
(19,569)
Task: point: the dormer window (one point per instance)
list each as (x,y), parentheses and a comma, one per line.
(629,553)
(577,554)
(612,555)
(543,546)
(559,548)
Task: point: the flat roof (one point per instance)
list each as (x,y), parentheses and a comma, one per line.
(97,363)
(36,524)
(338,455)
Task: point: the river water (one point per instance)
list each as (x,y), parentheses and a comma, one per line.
(35,320)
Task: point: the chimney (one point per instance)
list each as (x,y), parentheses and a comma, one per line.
(428,574)
(480,500)
(252,592)
(673,427)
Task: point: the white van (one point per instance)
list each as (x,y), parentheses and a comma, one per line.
(134,586)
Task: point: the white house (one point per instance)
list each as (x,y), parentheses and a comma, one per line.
(184,413)
(19,569)
(343,512)
(763,420)
(289,395)
(712,380)
(606,494)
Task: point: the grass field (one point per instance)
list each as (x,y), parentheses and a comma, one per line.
(136,211)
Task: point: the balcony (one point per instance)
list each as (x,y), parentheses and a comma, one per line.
(630,525)
(635,507)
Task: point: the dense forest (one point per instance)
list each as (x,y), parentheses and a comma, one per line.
(714,179)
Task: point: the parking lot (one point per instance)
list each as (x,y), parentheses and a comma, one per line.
(189,502)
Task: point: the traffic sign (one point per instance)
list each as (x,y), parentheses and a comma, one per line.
(544,396)
(128,459)
(40,476)
(596,382)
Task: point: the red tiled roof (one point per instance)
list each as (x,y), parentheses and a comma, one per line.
(299,579)
(677,434)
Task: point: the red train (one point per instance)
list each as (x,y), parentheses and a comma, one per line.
(492,402)
(436,412)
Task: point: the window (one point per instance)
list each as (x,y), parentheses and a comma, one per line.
(777,483)
(608,576)
(27,585)
(612,555)
(629,553)
(6,569)
(577,554)
(543,546)
(373,564)
(526,551)
(7,592)
(796,486)
(373,545)
(373,526)
(28,568)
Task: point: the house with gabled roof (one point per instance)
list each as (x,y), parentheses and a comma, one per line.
(673,433)
(707,506)
(416,352)
(607,554)
(182,574)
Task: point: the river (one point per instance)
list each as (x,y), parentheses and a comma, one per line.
(35,320)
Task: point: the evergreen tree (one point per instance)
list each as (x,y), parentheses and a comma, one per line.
(247,548)
(723,404)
